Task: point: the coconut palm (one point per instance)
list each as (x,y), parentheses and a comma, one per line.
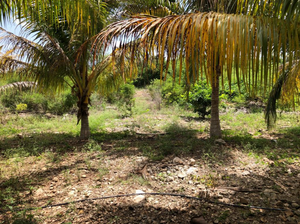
(241,48)
(51,59)
(61,29)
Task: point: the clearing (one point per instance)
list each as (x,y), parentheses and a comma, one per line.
(164,151)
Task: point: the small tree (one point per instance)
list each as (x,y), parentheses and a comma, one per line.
(237,47)
(61,29)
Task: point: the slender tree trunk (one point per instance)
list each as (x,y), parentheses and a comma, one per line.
(215,127)
(85,127)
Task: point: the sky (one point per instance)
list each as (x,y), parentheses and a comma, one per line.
(12,27)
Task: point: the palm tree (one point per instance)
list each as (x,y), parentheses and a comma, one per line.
(51,60)
(241,48)
(60,53)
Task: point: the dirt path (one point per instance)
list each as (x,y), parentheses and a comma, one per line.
(144,98)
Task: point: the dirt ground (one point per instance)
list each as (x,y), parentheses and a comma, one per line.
(223,178)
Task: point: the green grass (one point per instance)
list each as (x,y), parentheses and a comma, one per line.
(170,132)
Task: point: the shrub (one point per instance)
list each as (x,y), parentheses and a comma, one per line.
(21,107)
(146,78)
(38,102)
(125,99)
(200,98)
(155,90)
(173,93)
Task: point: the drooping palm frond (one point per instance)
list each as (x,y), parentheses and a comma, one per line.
(87,13)
(159,8)
(152,7)
(253,46)
(281,9)
(286,88)
(4,10)
(10,64)
(40,61)
(25,85)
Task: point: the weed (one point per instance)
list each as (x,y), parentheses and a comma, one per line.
(224,215)
(24,218)
(88,163)
(78,174)
(102,172)
(162,176)
(151,153)
(92,146)
(67,177)
(208,180)
(136,179)
(52,157)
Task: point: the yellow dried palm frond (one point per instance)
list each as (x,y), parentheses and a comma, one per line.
(253,46)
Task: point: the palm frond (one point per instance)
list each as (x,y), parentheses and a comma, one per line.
(284,9)
(210,40)
(159,8)
(25,85)
(44,61)
(286,88)
(10,64)
(224,6)
(88,13)
(5,9)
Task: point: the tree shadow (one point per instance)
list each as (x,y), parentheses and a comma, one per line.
(194,118)
(215,206)
(160,149)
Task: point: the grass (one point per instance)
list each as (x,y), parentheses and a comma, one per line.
(34,135)
(38,141)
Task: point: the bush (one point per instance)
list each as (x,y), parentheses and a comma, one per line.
(173,93)
(21,107)
(125,99)
(37,102)
(146,78)
(200,98)
(155,90)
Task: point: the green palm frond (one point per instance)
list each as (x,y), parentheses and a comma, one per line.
(286,88)
(88,13)
(25,85)
(151,7)
(282,9)
(41,61)
(5,8)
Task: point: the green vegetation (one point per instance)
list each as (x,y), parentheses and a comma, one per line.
(36,102)
(172,131)
(125,99)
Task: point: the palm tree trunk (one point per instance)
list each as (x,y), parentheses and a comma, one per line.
(85,127)
(215,127)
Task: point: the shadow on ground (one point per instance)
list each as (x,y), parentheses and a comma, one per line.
(273,185)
